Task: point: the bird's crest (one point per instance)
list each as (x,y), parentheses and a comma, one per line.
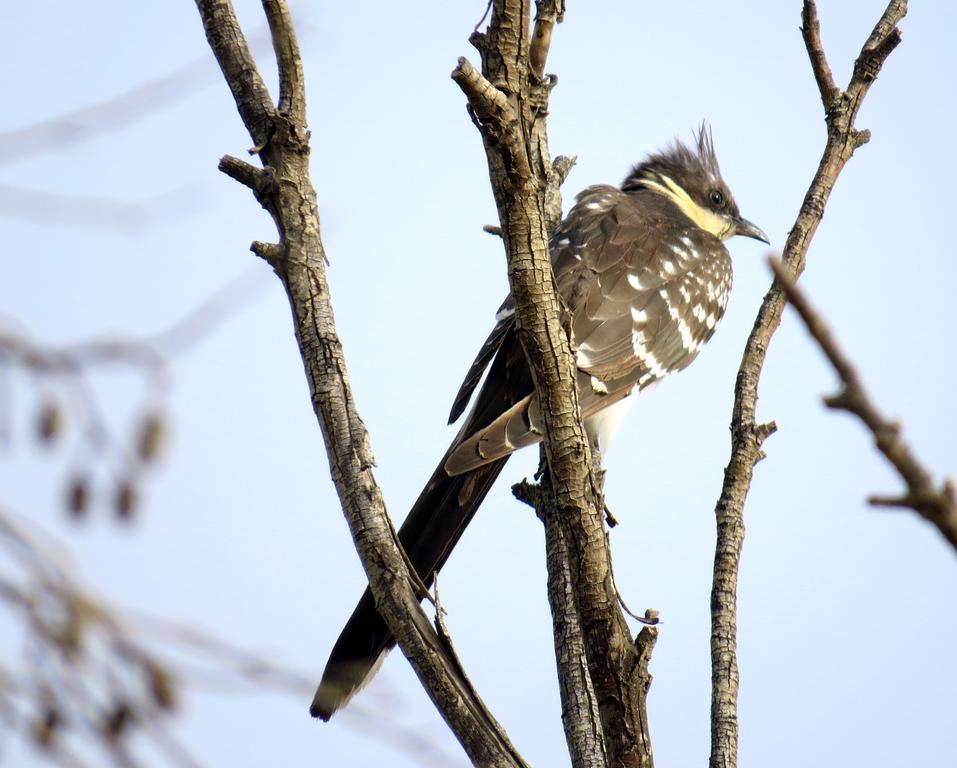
(679,161)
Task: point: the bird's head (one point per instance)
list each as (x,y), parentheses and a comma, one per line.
(691,179)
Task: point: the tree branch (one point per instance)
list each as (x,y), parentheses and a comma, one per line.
(548,13)
(282,142)
(292,87)
(508,102)
(580,710)
(239,68)
(936,505)
(811,31)
(747,435)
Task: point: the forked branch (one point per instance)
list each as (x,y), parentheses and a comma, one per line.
(747,436)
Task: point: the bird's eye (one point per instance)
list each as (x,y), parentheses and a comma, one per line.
(717,198)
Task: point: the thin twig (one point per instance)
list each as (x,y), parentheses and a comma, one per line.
(112,114)
(935,504)
(292,88)
(747,435)
(811,30)
(152,660)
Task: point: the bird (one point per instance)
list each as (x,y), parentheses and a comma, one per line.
(644,277)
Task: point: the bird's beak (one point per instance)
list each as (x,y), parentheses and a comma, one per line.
(746,228)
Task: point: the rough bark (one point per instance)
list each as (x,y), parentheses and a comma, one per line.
(284,188)
(747,435)
(508,102)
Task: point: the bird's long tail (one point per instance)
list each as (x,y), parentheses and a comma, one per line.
(436,522)
(431,530)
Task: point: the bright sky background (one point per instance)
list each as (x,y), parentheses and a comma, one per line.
(846,614)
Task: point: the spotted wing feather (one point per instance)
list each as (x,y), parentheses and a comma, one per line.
(644,291)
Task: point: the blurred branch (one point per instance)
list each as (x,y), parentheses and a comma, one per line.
(149,352)
(61,377)
(112,114)
(85,678)
(747,436)
(115,113)
(936,505)
(126,217)
(94,677)
(104,117)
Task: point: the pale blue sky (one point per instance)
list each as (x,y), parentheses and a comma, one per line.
(846,621)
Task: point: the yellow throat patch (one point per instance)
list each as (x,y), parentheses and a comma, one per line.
(706,219)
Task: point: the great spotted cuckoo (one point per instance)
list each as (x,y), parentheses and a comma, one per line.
(645,277)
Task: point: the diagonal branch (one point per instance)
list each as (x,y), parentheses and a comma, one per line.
(112,114)
(936,505)
(284,188)
(747,436)
(228,42)
(811,31)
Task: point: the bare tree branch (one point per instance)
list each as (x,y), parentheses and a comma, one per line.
(282,142)
(508,102)
(937,505)
(811,31)
(239,68)
(548,13)
(292,87)
(747,436)
(580,710)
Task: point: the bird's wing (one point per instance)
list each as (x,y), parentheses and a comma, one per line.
(644,291)
(504,322)
(565,248)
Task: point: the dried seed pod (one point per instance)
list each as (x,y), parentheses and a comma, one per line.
(161,685)
(78,496)
(117,721)
(68,634)
(49,423)
(152,432)
(125,500)
(45,729)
